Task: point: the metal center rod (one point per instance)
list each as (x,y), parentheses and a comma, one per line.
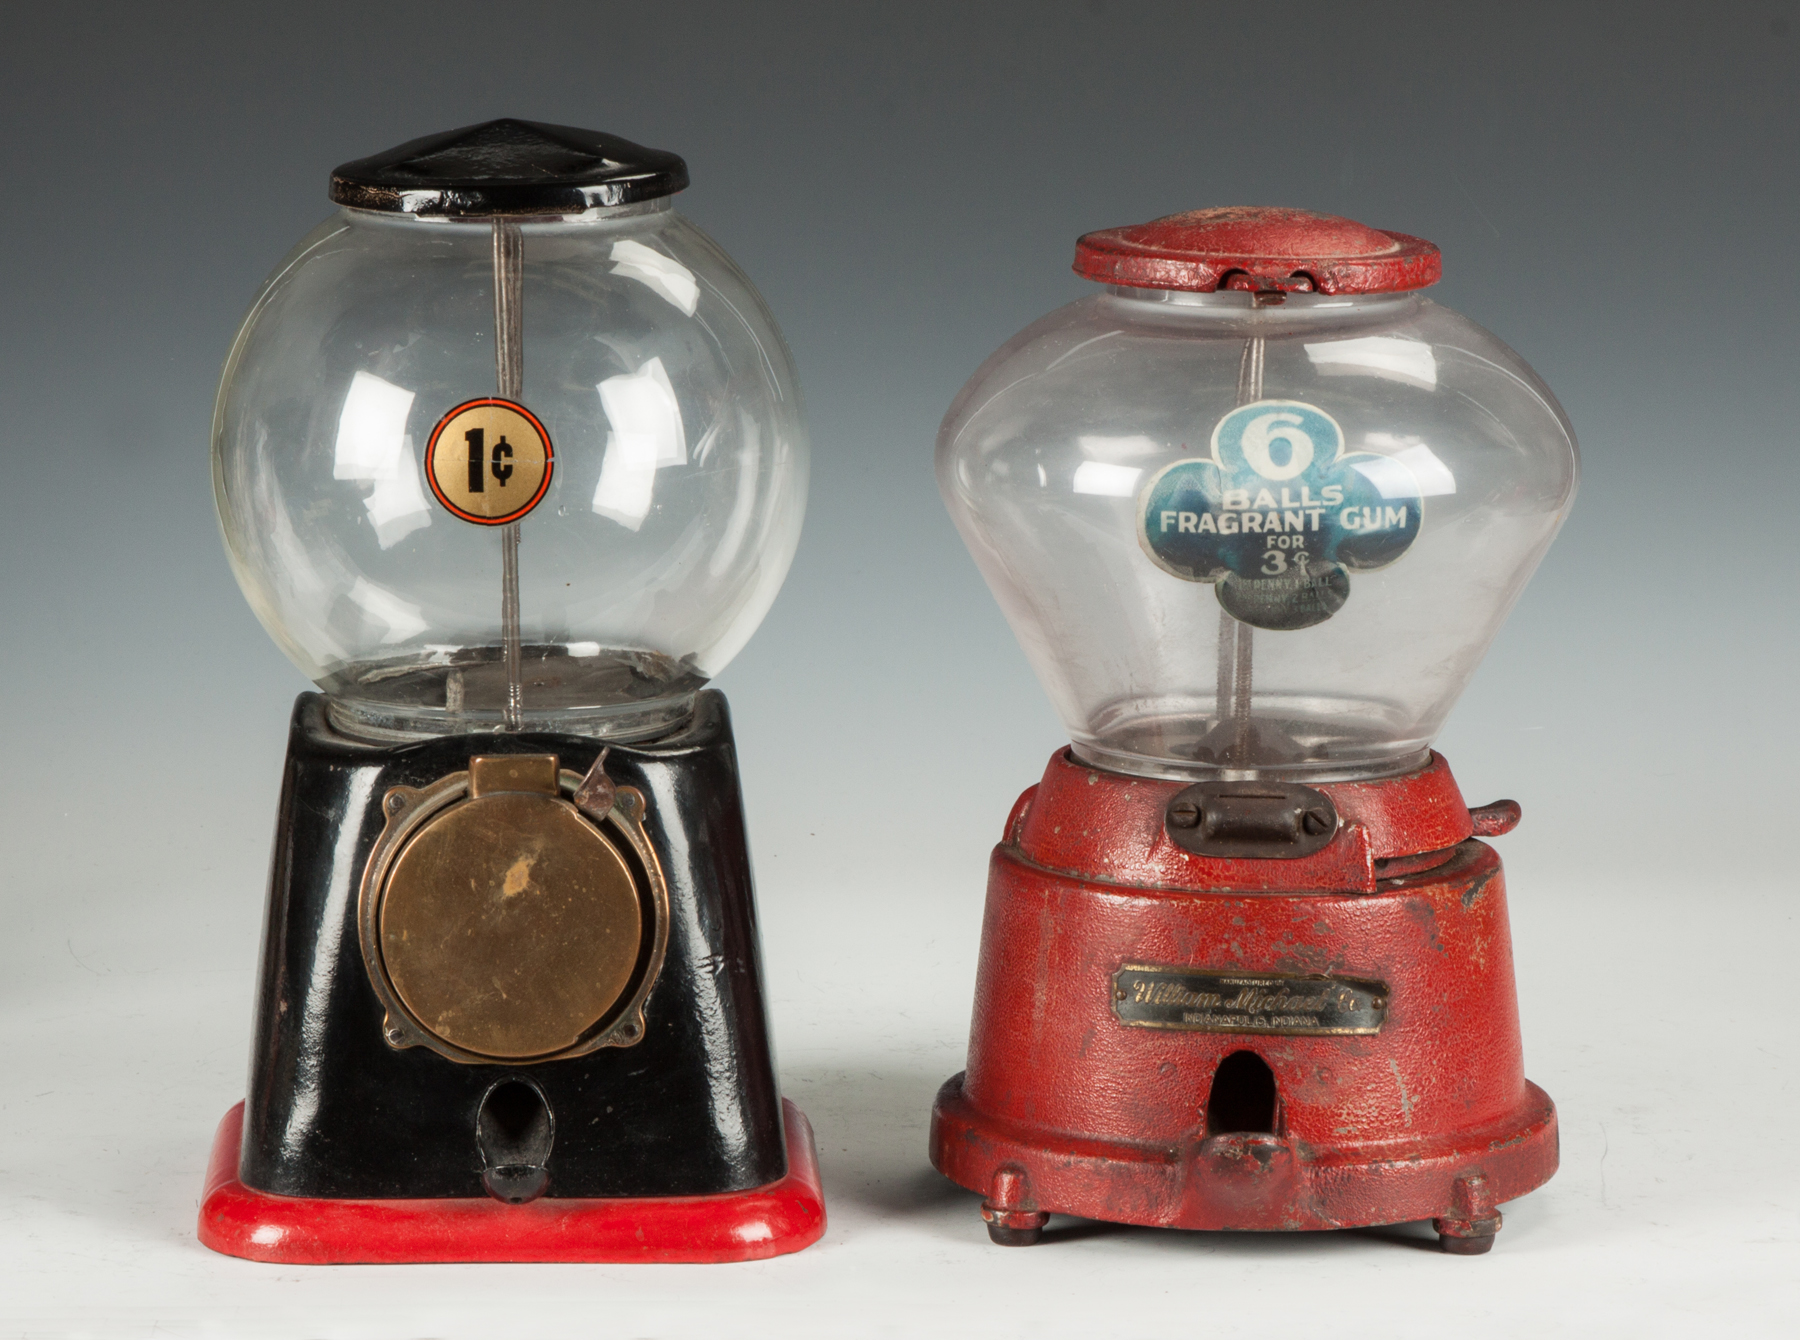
(1236,640)
(509,376)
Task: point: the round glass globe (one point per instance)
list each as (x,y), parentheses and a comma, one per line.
(1046,456)
(673,511)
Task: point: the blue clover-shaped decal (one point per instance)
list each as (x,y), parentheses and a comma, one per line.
(1279,517)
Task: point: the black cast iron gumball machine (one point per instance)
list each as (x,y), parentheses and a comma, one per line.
(509,459)
(1255,510)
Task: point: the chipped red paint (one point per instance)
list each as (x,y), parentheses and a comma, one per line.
(1258,248)
(1084,1115)
(1107,827)
(739,1226)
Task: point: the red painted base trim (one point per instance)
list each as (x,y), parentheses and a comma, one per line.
(738,1226)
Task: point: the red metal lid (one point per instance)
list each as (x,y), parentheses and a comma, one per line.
(1258,248)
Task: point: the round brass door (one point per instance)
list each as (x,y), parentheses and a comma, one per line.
(508,925)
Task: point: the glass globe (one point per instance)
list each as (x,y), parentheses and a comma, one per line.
(672,509)
(1258,532)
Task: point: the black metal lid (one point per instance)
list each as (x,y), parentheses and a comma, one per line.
(508,167)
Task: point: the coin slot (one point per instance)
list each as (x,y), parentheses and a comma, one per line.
(1251,820)
(514,1131)
(1248,817)
(1243,1099)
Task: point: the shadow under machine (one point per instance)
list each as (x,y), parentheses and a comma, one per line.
(509,460)
(1255,510)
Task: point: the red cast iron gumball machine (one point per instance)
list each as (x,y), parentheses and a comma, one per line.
(1254,511)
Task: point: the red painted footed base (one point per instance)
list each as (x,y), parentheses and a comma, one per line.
(765,1221)
(1243,1182)
(1078,1101)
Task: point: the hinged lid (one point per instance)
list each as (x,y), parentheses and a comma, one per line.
(1258,248)
(508,167)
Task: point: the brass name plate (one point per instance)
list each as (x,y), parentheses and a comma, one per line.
(1153,996)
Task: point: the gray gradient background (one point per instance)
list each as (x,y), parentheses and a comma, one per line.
(1614,188)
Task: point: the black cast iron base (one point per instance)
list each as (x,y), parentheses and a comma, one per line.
(333,1111)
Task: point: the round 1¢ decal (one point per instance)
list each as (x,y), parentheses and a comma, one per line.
(489,461)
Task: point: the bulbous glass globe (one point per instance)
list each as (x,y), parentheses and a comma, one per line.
(673,510)
(1236,536)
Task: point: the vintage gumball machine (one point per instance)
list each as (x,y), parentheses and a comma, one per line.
(1255,511)
(509,459)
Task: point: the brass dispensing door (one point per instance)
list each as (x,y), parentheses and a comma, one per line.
(514,913)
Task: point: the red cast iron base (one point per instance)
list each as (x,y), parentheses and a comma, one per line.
(1065,1109)
(740,1226)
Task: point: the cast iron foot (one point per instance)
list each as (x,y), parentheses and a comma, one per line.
(1470,1228)
(1005,1236)
(1013,1219)
(1455,1236)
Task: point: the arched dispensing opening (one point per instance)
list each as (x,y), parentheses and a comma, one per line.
(514,1131)
(1243,1099)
